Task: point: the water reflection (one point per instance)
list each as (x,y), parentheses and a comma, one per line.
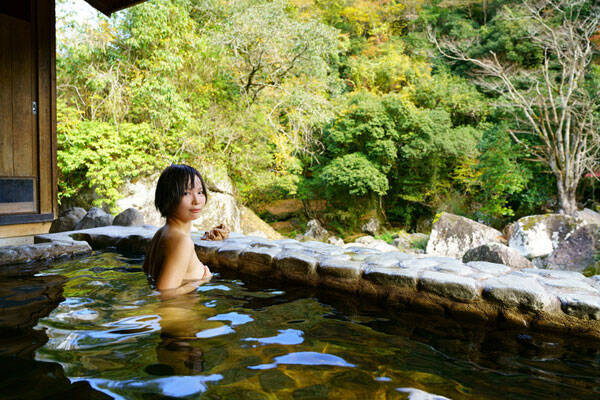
(174,386)
(262,339)
(306,358)
(234,317)
(285,337)
(24,299)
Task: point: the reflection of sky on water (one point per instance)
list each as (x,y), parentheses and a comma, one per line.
(209,333)
(119,331)
(234,317)
(306,358)
(75,302)
(211,304)
(209,287)
(416,394)
(174,386)
(285,337)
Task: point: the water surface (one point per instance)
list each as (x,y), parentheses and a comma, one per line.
(258,339)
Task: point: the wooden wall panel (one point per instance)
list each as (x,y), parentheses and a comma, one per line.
(24,145)
(6,137)
(28,74)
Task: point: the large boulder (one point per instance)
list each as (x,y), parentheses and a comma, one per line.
(499,254)
(140,195)
(284,209)
(370,242)
(94,218)
(588,216)
(67,220)
(251,224)
(371,227)
(453,235)
(335,241)
(129,217)
(577,252)
(539,235)
(221,208)
(315,231)
(216,179)
(409,241)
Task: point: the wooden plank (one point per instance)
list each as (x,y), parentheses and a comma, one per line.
(17,208)
(42,12)
(24,229)
(6,122)
(23,140)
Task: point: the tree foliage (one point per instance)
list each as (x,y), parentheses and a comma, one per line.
(343,100)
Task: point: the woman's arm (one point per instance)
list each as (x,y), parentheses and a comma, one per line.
(176,261)
(187,287)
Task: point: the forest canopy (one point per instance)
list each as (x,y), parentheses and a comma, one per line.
(309,99)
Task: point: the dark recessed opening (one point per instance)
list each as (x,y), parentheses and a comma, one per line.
(17,190)
(17,9)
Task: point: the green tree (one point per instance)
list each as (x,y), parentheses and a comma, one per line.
(554,102)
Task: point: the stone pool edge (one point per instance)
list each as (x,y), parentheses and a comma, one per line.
(548,300)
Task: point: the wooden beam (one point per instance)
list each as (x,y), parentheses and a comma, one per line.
(24,229)
(45,58)
(54,166)
(108,7)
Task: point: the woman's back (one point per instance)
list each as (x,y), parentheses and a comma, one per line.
(156,255)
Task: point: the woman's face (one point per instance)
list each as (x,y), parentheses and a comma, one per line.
(191,203)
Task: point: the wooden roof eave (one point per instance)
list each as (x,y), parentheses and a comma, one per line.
(108,7)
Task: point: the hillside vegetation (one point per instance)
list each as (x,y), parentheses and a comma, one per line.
(347,101)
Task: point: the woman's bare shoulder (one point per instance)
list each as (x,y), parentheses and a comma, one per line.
(176,239)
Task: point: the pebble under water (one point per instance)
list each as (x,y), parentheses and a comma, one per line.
(242,338)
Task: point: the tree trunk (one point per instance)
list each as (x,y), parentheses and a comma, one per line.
(566,195)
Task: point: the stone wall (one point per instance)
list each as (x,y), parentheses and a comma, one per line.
(478,291)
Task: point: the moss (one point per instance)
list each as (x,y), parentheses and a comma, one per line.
(532,220)
(595,268)
(420,243)
(387,237)
(437,218)
(529,222)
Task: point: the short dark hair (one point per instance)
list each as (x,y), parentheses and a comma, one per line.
(171,186)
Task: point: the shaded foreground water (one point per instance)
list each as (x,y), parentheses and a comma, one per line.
(244,339)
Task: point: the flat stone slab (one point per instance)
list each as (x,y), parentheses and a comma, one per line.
(228,254)
(258,260)
(581,305)
(11,255)
(450,285)
(489,268)
(340,268)
(392,277)
(552,298)
(387,259)
(517,291)
(295,264)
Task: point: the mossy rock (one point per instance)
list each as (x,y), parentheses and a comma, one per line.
(539,235)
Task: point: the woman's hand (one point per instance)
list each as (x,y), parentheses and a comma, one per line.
(207,274)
